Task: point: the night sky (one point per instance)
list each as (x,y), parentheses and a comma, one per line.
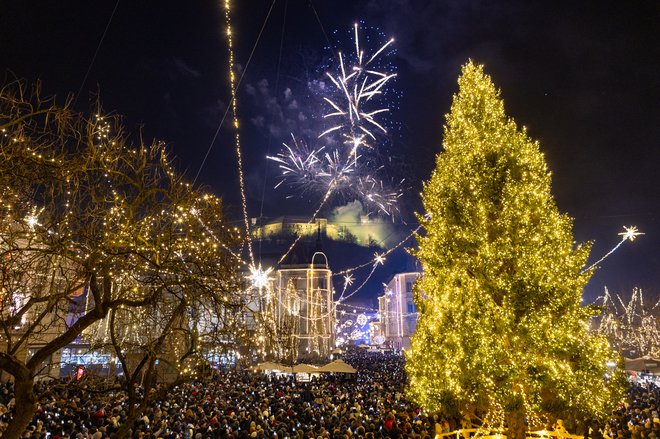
(583,77)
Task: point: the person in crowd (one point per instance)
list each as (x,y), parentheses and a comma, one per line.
(241,404)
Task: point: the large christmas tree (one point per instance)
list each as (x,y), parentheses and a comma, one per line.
(502,337)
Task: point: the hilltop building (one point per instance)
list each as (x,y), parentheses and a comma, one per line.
(362,230)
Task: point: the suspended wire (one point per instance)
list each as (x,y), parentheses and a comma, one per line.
(277,85)
(238,84)
(318,19)
(96,52)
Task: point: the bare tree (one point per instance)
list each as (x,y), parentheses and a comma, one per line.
(168,340)
(83,214)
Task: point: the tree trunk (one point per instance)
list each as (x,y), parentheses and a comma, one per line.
(516,428)
(131,414)
(26,404)
(125,429)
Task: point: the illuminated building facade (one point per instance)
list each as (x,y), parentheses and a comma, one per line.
(292,311)
(36,328)
(398,314)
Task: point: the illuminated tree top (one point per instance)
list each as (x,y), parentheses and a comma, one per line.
(502,333)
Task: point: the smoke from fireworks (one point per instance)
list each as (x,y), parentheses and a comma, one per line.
(346,166)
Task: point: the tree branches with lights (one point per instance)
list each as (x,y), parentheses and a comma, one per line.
(93,231)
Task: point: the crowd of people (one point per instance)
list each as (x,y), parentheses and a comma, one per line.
(637,418)
(241,404)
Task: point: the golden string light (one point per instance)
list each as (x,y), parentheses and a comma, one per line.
(325,199)
(237,136)
(139,240)
(378,259)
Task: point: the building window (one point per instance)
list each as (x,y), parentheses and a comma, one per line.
(409,286)
(411,308)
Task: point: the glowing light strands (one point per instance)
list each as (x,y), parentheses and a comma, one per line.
(237,136)
(630,326)
(479,334)
(325,199)
(377,256)
(628,234)
(236,256)
(378,259)
(359,287)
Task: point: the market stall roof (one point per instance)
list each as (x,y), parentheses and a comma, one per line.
(337,366)
(269,365)
(305,368)
(643,363)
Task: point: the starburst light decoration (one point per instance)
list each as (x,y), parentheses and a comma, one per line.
(259,277)
(630,233)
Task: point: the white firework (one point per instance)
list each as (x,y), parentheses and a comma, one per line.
(345,167)
(358,85)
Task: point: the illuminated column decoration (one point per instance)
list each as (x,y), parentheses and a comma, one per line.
(399,302)
(304,309)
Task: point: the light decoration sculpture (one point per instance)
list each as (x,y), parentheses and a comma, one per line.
(260,277)
(632,325)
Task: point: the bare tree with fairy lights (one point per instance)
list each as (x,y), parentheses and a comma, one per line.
(100,239)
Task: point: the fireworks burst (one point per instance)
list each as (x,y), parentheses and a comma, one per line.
(346,166)
(312,170)
(357,84)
